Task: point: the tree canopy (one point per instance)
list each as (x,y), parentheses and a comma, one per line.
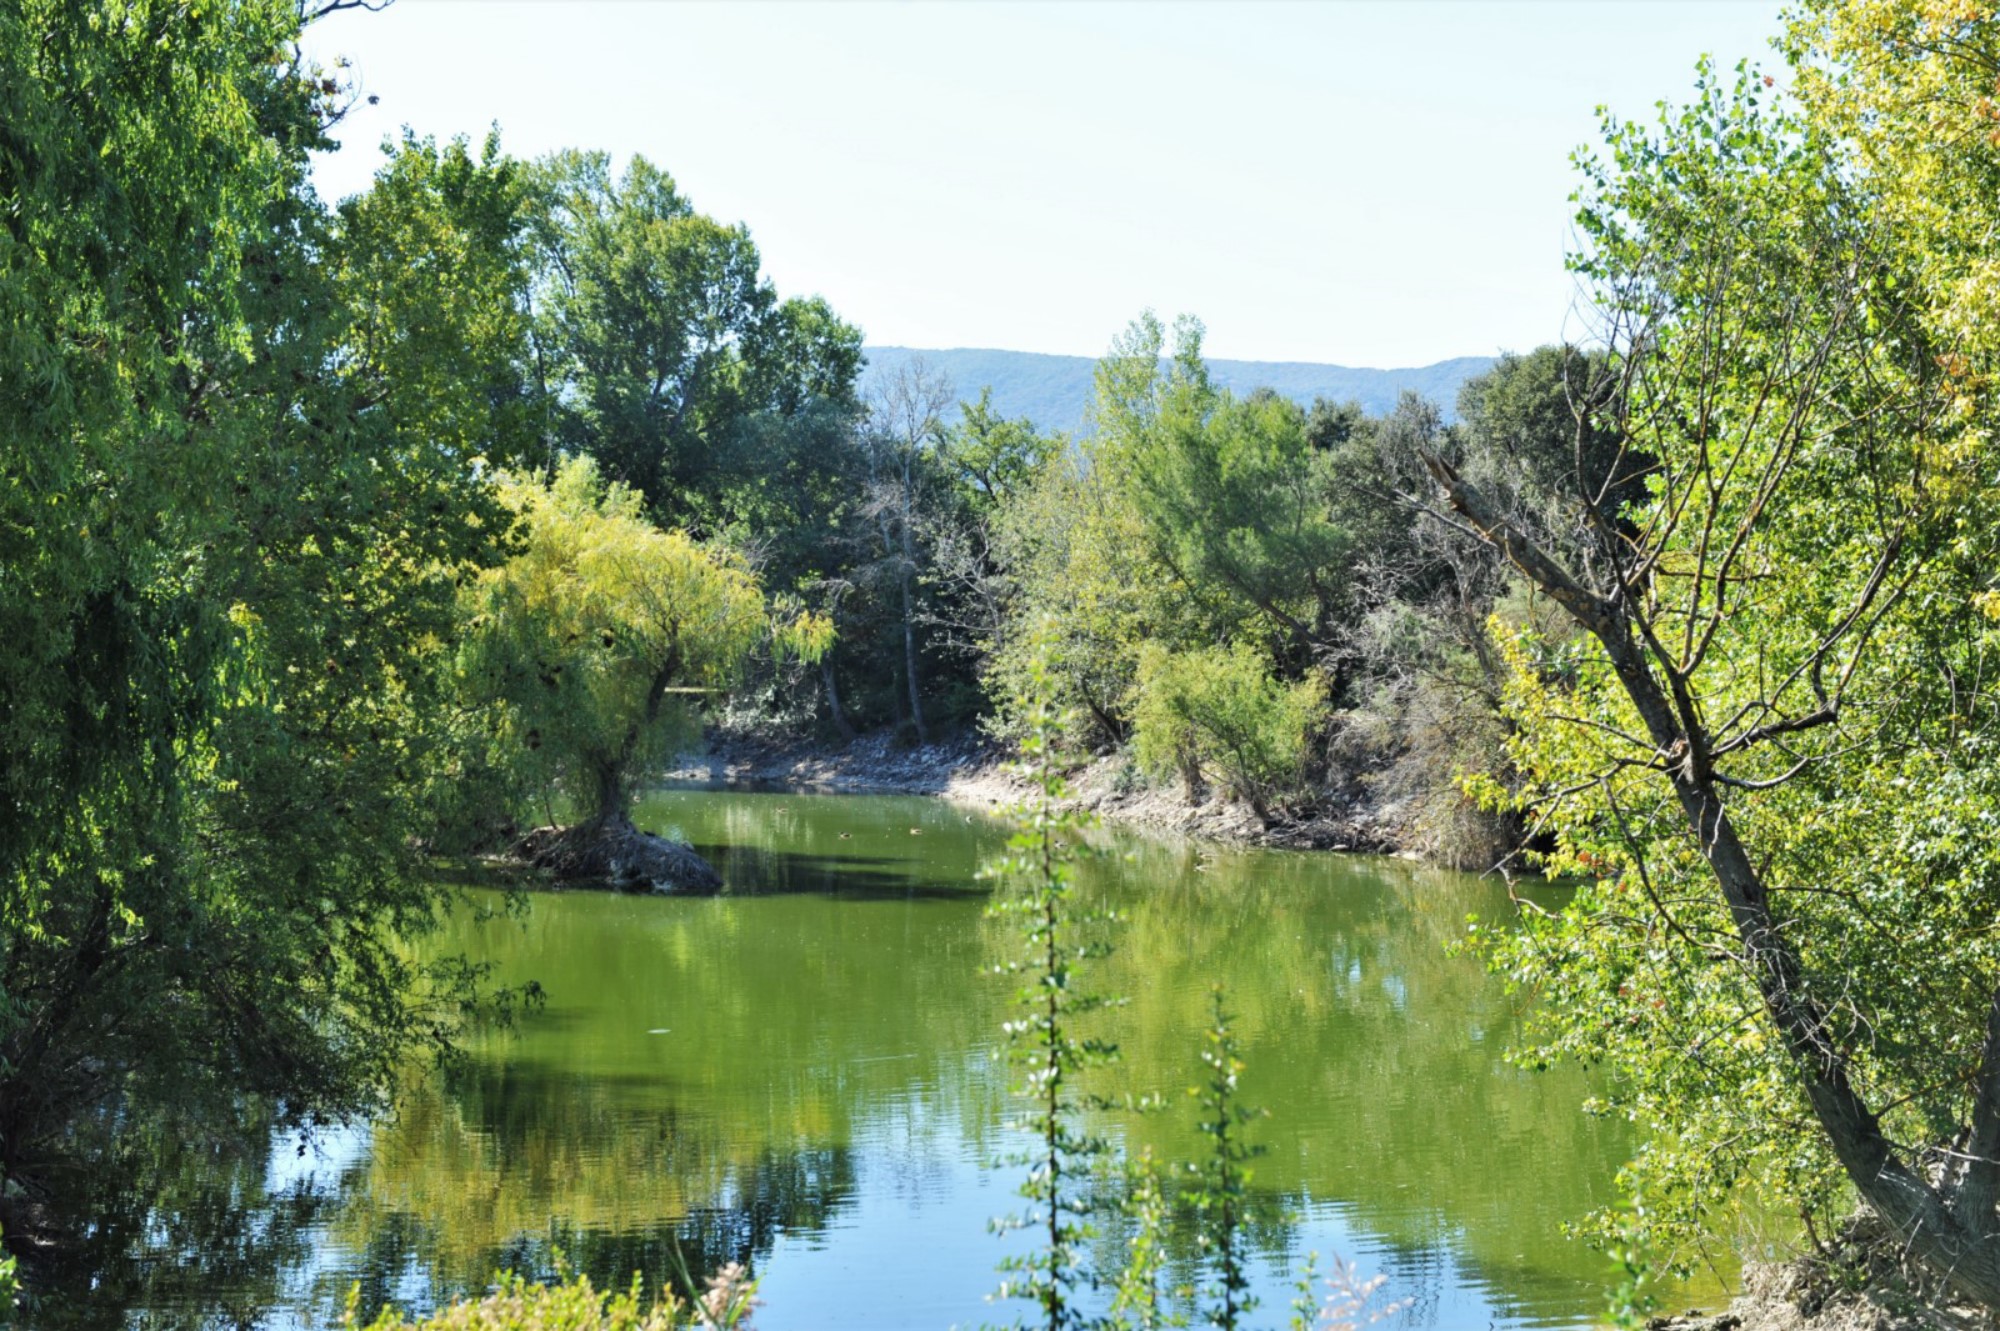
(227,573)
(659,342)
(1767,732)
(599,636)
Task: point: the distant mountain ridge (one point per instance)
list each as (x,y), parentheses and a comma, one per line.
(1055,391)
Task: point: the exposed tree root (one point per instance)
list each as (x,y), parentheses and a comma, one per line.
(613,852)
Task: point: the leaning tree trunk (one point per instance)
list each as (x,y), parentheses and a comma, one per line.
(1949,1224)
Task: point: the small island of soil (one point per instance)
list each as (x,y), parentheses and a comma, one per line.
(613,852)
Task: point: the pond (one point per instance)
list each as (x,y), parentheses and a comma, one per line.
(801,1073)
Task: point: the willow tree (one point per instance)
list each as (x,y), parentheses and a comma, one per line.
(1770,737)
(598,641)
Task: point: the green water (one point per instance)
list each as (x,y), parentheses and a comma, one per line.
(800,1073)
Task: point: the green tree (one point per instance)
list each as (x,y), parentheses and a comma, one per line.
(228,574)
(1230,493)
(435,267)
(660,340)
(600,634)
(1781,645)
(990,458)
(1218,708)
(981,466)
(1086,595)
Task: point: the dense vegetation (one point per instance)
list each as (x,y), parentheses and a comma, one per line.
(236,503)
(330,535)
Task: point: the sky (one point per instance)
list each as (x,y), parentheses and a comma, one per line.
(1375,184)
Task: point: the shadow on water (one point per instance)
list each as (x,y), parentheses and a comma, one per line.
(768,873)
(165,1222)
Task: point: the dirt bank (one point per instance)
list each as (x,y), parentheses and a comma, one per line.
(1864,1282)
(974,770)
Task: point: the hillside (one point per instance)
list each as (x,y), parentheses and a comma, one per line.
(1054,391)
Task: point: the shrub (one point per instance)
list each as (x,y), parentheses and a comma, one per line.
(1218,709)
(518,1304)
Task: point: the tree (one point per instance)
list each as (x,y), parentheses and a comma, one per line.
(228,575)
(1086,596)
(1779,644)
(1231,494)
(906,427)
(1422,671)
(435,267)
(597,637)
(660,339)
(1219,709)
(989,458)
(982,466)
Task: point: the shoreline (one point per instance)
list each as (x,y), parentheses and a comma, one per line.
(977,771)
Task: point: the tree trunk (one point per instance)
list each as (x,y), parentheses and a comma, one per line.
(910,664)
(1190,765)
(833,701)
(909,607)
(1960,1245)
(609,806)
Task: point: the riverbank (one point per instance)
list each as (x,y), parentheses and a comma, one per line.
(1865,1281)
(976,771)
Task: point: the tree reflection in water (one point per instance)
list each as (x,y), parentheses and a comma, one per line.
(805,1057)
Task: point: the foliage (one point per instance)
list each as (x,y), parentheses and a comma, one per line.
(1229,493)
(1784,954)
(1043,1043)
(661,344)
(575,1305)
(1255,563)
(594,637)
(1631,1300)
(1222,1180)
(228,577)
(1219,708)
(1084,583)
(989,457)
(1137,1302)
(434,265)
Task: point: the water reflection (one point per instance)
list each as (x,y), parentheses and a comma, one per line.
(145,1192)
(797,1073)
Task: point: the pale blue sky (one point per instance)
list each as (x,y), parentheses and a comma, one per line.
(1362,183)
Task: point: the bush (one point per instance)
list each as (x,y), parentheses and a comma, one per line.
(1217,709)
(575,1305)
